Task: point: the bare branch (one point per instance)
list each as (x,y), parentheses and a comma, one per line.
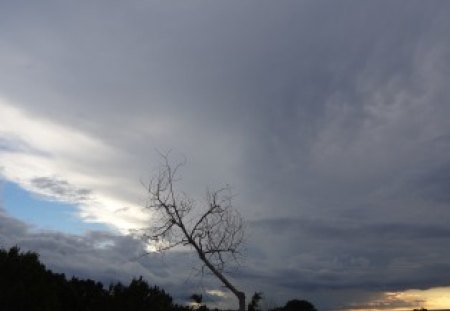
(216,235)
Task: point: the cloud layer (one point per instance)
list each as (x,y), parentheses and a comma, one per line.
(108,257)
(330,121)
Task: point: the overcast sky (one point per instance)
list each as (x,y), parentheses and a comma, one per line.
(329,119)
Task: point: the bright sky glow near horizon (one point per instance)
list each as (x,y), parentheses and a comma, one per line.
(330,121)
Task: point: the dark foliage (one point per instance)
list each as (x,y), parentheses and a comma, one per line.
(297,305)
(197,298)
(26,285)
(254,303)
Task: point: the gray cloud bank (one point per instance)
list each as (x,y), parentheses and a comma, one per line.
(101,256)
(330,120)
(332,266)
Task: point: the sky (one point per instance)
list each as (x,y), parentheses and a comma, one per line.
(328,119)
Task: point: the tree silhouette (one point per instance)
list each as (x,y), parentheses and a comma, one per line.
(298,305)
(254,303)
(24,282)
(139,296)
(197,298)
(26,285)
(215,234)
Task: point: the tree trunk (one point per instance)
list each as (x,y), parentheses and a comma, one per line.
(240,295)
(241,298)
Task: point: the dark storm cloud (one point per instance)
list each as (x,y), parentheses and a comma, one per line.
(356,230)
(432,185)
(330,119)
(351,256)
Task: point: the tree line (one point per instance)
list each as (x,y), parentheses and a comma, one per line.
(27,285)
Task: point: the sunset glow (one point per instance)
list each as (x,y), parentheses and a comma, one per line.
(437,298)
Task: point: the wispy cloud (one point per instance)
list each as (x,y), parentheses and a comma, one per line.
(59,164)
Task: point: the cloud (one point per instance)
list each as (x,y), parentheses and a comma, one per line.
(104,256)
(58,162)
(60,188)
(330,121)
(110,258)
(342,262)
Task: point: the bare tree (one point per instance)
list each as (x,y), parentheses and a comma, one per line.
(215,233)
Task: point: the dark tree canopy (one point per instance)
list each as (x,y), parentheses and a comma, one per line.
(26,285)
(298,305)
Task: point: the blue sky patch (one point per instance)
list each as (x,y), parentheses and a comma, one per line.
(44,214)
